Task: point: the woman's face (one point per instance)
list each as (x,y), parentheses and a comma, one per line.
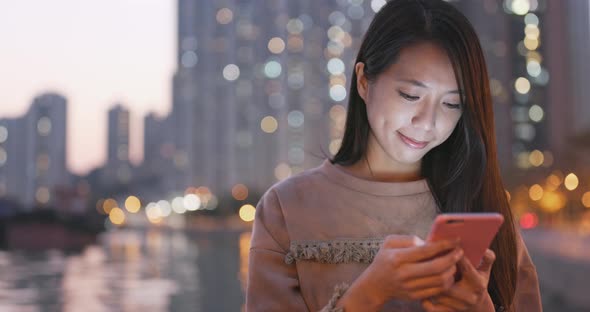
(412,107)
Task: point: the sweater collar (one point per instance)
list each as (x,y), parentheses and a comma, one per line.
(340,176)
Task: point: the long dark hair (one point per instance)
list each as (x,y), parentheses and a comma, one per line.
(462,172)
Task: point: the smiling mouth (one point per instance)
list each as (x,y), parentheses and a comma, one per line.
(412,143)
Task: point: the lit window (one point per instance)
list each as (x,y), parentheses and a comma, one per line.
(44,126)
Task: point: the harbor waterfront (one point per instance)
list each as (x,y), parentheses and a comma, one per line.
(157,269)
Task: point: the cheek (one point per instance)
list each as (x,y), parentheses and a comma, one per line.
(389,114)
(448,124)
(377,114)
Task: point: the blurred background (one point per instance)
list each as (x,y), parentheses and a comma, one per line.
(136,137)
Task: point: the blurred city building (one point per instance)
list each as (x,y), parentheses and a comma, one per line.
(260,93)
(13,177)
(537,58)
(260,89)
(33,152)
(117,168)
(45,148)
(568,48)
(256,99)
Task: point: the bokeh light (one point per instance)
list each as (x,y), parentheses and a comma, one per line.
(335,66)
(530,43)
(295,26)
(224,16)
(536,192)
(3,134)
(44,126)
(239,192)
(586,199)
(276,45)
(178,205)
(338,93)
(376,5)
(536,158)
(552,201)
(531,19)
(153,213)
(272,69)
(295,119)
(108,205)
(165,208)
(571,182)
(282,171)
(42,195)
(520,7)
(269,124)
(231,72)
(522,85)
(247,213)
(533,68)
(132,204)
(335,146)
(536,113)
(553,182)
(529,220)
(192,202)
(117,216)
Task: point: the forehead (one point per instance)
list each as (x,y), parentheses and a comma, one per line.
(426,62)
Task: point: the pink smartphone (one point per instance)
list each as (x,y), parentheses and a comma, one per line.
(476,231)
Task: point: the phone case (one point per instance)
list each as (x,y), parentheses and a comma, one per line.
(476,231)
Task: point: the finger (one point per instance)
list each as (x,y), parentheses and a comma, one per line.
(402,241)
(429,306)
(468,272)
(444,280)
(451,302)
(428,251)
(463,293)
(487,262)
(426,293)
(431,267)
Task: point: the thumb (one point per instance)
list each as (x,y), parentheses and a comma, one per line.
(488,260)
(402,241)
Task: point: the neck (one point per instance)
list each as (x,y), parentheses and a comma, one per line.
(369,170)
(388,174)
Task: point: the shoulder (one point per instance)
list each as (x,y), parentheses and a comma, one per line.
(291,199)
(275,211)
(302,182)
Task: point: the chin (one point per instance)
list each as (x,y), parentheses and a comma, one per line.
(417,156)
(407,158)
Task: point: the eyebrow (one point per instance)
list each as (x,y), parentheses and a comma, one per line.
(422,85)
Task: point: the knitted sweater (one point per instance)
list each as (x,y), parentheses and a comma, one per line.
(322,228)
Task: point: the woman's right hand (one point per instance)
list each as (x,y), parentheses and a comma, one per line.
(405,268)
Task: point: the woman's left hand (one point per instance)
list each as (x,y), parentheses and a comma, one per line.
(470,292)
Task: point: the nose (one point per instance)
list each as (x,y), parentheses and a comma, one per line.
(425,116)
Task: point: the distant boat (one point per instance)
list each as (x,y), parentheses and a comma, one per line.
(44,229)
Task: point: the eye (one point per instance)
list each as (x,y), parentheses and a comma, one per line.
(408,97)
(453,106)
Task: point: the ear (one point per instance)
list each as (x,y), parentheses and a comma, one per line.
(362,85)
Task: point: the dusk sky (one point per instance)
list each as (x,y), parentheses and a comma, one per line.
(95,53)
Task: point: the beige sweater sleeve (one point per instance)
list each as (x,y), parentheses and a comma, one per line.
(272,284)
(527,296)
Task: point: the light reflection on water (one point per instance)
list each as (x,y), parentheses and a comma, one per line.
(130,270)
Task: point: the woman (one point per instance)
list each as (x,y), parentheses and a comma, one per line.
(419,140)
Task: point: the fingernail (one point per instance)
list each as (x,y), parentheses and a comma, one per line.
(418,241)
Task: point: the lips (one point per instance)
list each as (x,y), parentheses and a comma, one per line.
(412,143)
